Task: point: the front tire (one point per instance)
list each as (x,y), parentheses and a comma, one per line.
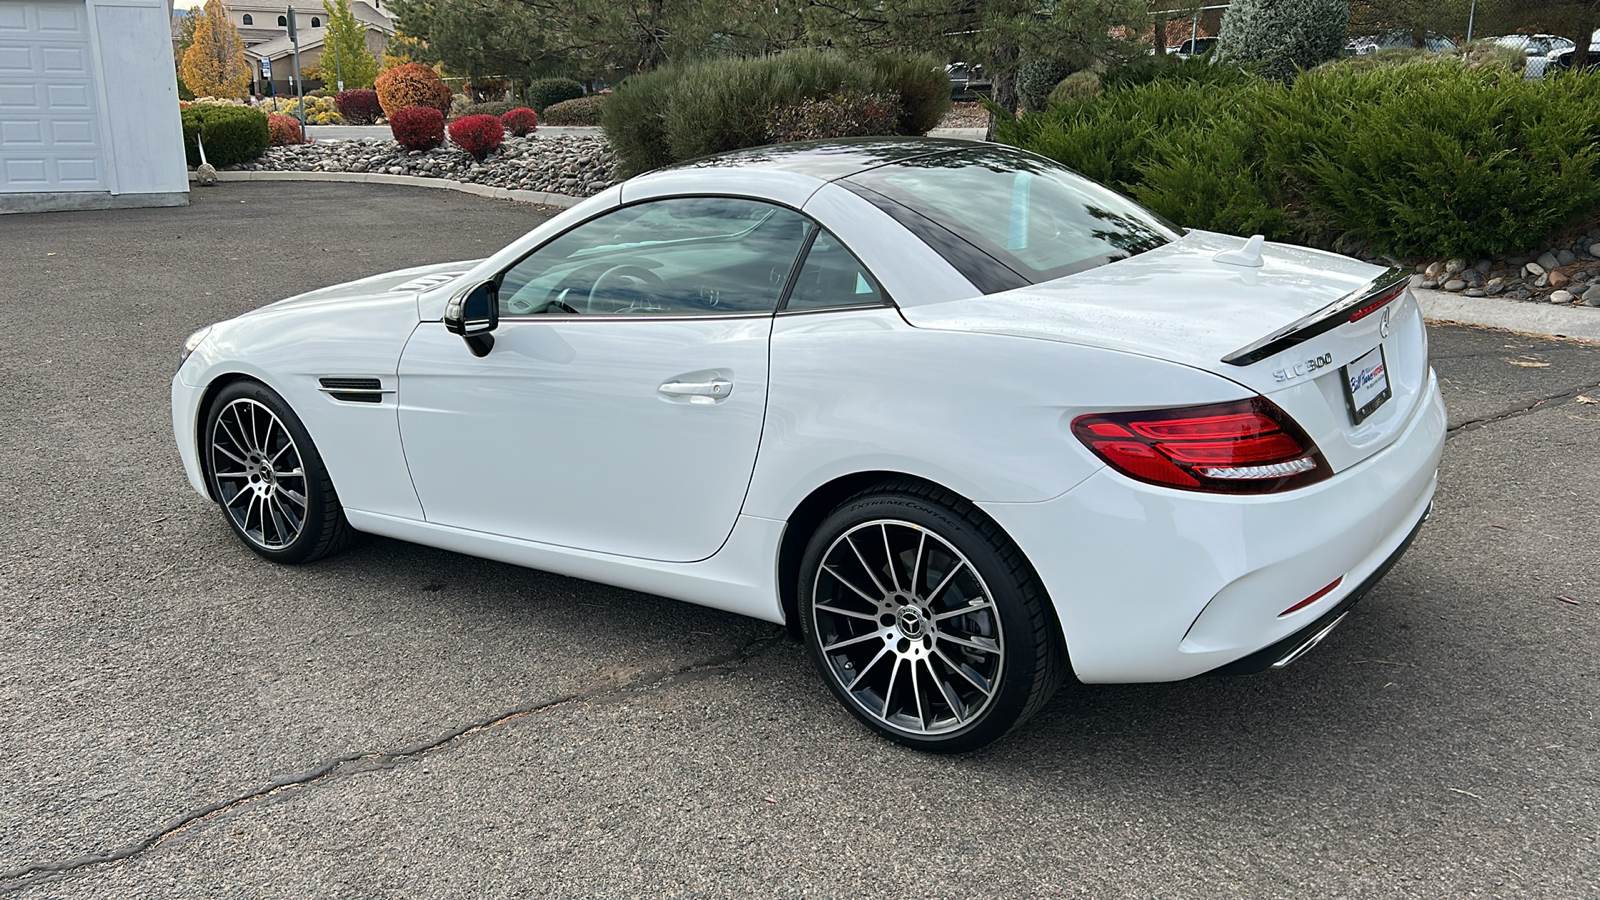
(268,478)
(926,621)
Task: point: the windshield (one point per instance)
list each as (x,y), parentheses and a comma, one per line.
(1035,217)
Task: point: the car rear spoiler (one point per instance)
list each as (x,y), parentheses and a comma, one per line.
(1359,303)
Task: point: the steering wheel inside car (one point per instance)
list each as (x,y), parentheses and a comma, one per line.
(625,288)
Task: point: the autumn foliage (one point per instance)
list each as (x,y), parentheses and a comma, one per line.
(412,84)
(283,131)
(521,121)
(478,135)
(418,127)
(214,65)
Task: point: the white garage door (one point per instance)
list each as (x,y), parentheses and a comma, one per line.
(49,131)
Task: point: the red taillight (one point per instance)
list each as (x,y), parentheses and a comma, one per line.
(1246,447)
(1377,304)
(1313,598)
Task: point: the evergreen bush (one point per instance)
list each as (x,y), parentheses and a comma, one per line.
(1284,35)
(849,113)
(495,108)
(1077,86)
(582,111)
(684,111)
(1037,77)
(1431,157)
(543,92)
(232,134)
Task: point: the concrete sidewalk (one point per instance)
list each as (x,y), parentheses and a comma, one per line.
(1580,322)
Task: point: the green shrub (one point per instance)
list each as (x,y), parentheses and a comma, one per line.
(232,134)
(495,108)
(1284,35)
(920,84)
(543,92)
(1077,86)
(1036,77)
(582,111)
(849,113)
(1206,69)
(1423,158)
(684,111)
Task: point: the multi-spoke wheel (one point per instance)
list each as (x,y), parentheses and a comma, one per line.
(268,477)
(926,621)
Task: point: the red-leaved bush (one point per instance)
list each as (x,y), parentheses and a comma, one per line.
(359,106)
(283,131)
(520,122)
(418,128)
(478,135)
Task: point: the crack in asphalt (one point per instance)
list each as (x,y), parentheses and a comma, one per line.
(356,763)
(1475,424)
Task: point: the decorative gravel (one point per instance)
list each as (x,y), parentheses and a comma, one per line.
(1567,274)
(577,166)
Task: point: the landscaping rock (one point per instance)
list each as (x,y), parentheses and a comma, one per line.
(1472,277)
(1434,270)
(1559,279)
(1429,285)
(1548,261)
(1495,286)
(1565,257)
(1417,281)
(1484,265)
(1591,297)
(1455,285)
(1594,250)
(1473,293)
(1533,269)
(1562,297)
(1455,265)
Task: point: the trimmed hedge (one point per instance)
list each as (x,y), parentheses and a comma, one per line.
(496,108)
(412,84)
(418,128)
(582,111)
(683,111)
(359,106)
(521,121)
(282,131)
(232,134)
(1423,158)
(545,92)
(479,135)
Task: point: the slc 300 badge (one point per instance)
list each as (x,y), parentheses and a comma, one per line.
(1300,369)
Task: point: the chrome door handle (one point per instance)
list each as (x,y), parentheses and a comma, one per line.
(716,387)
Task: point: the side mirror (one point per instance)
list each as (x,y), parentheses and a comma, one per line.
(473,315)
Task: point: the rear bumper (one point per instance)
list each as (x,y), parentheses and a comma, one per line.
(1154,584)
(1295,645)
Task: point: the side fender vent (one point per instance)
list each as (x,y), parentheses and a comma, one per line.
(354,390)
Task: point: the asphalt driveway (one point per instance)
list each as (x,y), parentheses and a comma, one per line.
(181,718)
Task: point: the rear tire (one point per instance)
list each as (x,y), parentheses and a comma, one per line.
(926,621)
(267,476)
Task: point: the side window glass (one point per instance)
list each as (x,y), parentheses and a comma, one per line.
(832,276)
(674,257)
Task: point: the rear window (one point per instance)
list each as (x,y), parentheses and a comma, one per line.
(1035,217)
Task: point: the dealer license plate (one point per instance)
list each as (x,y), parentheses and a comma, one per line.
(1366,384)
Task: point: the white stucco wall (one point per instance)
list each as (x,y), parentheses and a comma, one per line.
(139,145)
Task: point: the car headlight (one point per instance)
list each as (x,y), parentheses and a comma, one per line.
(193,342)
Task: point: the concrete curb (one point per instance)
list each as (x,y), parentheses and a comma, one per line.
(1579,322)
(478,190)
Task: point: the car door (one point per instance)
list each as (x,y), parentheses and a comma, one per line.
(620,407)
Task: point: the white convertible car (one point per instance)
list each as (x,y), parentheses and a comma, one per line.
(966,421)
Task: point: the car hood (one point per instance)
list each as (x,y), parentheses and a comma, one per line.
(1175,302)
(401,281)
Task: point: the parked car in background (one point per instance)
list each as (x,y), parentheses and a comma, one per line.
(1538,48)
(1193,47)
(1562,60)
(968,82)
(1396,39)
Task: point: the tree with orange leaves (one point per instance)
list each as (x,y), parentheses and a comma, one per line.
(214,65)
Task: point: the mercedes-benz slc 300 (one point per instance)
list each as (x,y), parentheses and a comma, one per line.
(967,422)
